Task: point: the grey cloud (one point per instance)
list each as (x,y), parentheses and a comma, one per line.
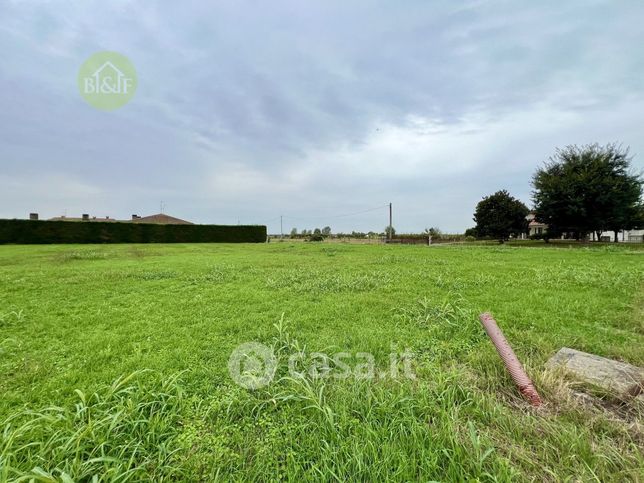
(296,99)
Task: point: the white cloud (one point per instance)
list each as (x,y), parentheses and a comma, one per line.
(313,109)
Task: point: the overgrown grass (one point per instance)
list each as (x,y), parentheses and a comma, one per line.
(124,431)
(114,362)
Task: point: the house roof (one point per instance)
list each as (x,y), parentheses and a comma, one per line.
(536,223)
(161,219)
(158,219)
(73,218)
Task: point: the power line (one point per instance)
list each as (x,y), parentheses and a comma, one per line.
(283,218)
(330,217)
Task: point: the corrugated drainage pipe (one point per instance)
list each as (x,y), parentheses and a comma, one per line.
(510,360)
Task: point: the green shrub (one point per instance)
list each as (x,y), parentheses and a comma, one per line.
(31,231)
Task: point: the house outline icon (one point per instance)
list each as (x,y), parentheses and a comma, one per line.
(120,86)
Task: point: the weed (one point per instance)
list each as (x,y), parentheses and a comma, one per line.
(319,282)
(124,431)
(81,255)
(173,308)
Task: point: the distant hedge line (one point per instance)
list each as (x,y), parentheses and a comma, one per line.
(31,231)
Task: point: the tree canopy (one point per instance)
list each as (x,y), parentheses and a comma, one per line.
(500,215)
(588,188)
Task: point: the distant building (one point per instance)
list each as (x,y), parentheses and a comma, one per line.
(84,217)
(158,219)
(634,236)
(535,227)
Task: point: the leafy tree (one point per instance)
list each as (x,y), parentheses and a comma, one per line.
(316,236)
(326,231)
(471,232)
(390,231)
(500,215)
(638,223)
(434,232)
(293,232)
(588,188)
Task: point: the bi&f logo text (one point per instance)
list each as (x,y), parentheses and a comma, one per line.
(107,80)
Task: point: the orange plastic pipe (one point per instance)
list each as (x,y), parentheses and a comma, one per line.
(510,360)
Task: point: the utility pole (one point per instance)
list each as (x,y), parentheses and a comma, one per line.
(390,224)
(281,228)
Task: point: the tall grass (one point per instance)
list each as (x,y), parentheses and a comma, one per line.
(319,282)
(173,308)
(125,431)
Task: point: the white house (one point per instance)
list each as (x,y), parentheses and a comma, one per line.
(623,236)
(535,227)
(626,236)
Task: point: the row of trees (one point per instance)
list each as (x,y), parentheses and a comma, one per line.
(320,234)
(580,190)
(326,231)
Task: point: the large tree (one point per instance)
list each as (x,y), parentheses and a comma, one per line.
(499,216)
(588,188)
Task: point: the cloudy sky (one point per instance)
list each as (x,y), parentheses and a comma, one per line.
(248,110)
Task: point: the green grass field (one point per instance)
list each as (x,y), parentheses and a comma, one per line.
(114,362)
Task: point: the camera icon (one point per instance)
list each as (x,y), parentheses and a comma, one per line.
(252,365)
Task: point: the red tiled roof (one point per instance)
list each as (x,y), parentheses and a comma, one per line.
(161,219)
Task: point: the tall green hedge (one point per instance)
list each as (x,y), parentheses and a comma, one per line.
(32,231)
